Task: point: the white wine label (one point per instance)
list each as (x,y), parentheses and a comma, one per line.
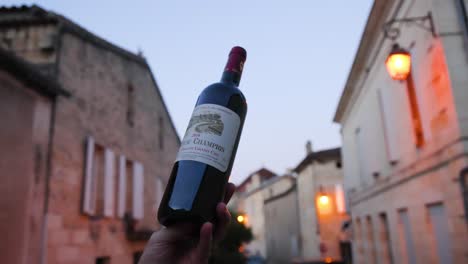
(210,136)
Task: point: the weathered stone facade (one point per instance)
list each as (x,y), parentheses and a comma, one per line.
(320,173)
(26,102)
(250,201)
(281,220)
(406,200)
(114,100)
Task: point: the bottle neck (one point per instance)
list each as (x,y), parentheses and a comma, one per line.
(231,77)
(234,66)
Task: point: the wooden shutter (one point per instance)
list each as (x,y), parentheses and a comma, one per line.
(89,203)
(389,122)
(109,183)
(122,186)
(138,191)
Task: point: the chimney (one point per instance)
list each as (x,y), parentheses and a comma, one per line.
(308,147)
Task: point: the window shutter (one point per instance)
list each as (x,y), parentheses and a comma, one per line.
(89,203)
(159,192)
(138,202)
(109,183)
(361,155)
(389,121)
(122,186)
(340,199)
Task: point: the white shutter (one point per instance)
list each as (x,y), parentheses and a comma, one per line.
(109,183)
(390,122)
(159,192)
(138,201)
(340,199)
(363,168)
(122,186)
(89,203)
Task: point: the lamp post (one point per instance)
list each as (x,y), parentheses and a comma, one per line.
(398,65)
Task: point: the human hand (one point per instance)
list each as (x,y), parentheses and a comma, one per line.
(183,243)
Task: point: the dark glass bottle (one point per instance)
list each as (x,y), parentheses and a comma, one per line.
(204,162)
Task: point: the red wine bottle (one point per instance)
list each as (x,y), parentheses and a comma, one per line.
(206,155)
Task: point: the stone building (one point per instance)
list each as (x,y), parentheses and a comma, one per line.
(250,201)
(405,143)
(90,159)
(321,203)
(281,220)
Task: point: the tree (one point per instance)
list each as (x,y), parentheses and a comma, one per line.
(227,250)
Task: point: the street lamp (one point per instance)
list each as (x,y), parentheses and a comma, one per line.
(242,219)
(398,63)
(323,200)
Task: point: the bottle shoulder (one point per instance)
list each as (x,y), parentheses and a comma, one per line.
(221,87)
(225,95)
(221,90)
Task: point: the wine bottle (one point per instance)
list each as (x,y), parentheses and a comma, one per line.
(206,155)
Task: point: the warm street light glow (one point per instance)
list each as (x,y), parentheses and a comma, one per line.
(328,260)
(240,218)
(324,200)
(398,63)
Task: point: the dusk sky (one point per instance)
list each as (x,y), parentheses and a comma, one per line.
(299,56)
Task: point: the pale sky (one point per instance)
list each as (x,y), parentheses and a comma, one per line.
(299,56)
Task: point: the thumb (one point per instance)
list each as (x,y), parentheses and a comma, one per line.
(204,245)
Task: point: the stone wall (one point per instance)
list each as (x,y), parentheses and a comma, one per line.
(24,138)
(281,221)
(100,82)
(386,175)
(315,228)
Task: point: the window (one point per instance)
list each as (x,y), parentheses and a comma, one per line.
(340,199)
(405,237)
(359,241)
(159,192)
(371,255)
(98,180)
(129,187)
(440,232)
(111,189)
(389,121)
(161,133)
(130,105)
(360,154)
(103,260)
(384,239)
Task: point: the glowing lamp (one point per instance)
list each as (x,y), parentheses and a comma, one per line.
(398,63)
(323,200)
(240,218)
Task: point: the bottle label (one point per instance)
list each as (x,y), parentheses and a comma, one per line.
(210,136)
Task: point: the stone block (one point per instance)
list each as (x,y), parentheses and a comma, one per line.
(54,221)
(80,237)
(67,254)
(59,237)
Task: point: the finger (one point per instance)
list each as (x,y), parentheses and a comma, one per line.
(178,230)
(223,218)
(204,245)
(230,188)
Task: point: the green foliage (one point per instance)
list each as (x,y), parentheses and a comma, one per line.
(227,250)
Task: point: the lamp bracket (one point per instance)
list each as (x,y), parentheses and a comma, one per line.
(392,32)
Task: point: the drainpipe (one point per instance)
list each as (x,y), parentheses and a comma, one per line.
(50,144)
